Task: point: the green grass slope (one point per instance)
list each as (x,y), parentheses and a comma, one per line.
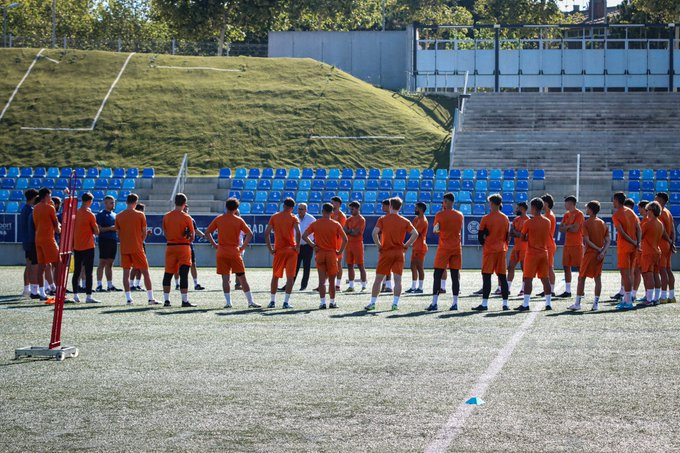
(261,115)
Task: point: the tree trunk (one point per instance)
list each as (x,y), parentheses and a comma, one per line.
(220,42)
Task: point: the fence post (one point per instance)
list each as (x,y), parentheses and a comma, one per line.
(497,52)
(120,44)
(10,40)
(671,69)
(173,46)
(64,42)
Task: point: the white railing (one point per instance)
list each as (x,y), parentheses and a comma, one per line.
(179,182)
(458,117)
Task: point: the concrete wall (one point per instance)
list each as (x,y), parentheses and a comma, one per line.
(379,58)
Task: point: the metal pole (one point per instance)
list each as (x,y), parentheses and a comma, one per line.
(54,24)
(578,176)
(497,29)
(383,15)
(671,69)
(4,28)
(452,148)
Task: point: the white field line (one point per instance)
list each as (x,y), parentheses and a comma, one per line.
(48,58)
(199,68)
(357,137)
(16,90)
(447,433)
(99,112)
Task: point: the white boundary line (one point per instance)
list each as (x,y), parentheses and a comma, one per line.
(48,58)
(358,137)
(99,112)
(447,433)
(204,68)
(16,90)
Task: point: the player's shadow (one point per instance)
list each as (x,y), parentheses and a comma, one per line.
(288,312)
(413,314)
(565,313)
(26,361)
(358,314)
(186,312)
(458,314)
(250,311)
(127,310)
(81,307)
(11,299)
(500,314)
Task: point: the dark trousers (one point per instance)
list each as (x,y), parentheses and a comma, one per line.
(83,258)
(304,257)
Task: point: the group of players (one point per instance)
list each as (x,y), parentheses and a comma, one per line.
(644,248)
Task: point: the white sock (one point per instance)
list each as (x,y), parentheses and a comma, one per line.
(286,298)
(363,284)
(185,297)
(455,300)
(76,298)
(41,291)
(622,291)
(149,294)
(109,284)
(626,296)
(509,285)
(420,284)
(128,296)
(596,301)
(374,300)
(53,287)
(578,300)
(34,289)
(413,284)
(27,288)
(137,282)
(649,295)
(568,287)
(527,298)
(388,283)
(395,300)
(332,301)
(657,293)
(552,287)
(485,302)
(322,301)
(227,298)
(249,297)
(195,281)
(443,285)
(671,294)
(435,298)
(634,293)
(505,302)
(548,300)
(99,283)
(273,298)
(166,297)
(663,294)
(351,284)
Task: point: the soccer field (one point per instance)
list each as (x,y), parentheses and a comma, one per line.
(206,378)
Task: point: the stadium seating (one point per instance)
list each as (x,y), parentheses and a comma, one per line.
(645,183)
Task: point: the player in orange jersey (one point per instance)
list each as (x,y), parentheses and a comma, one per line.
(136,274)
(419,250)
(548,204)
(229,227)
(627,243)
(131,227)
(387,284)
(653,233)
(637,274)
(596,239)
(572,252)
(537,231)
(494,236)
(388,235)
(520,246)
(329,242)
(85,228)
(448,225)
(179,232)
(286,228)
(341,218)
(667,251)
(46,227)
(354,228)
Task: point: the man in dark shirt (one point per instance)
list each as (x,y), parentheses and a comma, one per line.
(27,230)
(106,220)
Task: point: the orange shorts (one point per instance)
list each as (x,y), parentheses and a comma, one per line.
(229,263)
(649,263)
(327,261)
(572,255)
(390,261)
(136,260)
(591,267)
(552,249)
(494,263)
(638,259)
(626,260)
(517,256)
(419,254)
(285,260)
(448,259)
(48,252)
(354,253)
(666,254)
(536,266)
(177,256)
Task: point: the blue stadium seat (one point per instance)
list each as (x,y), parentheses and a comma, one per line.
(12,207)
(662,186)
(96,207)
(428,173)
(132,173)
(370,197)
(318,184)
(248,195)
(49,183)
(98,195)
(345,184)
(465,208)
(675,175)
(478,209)
(3,172)
(344,196)
(225,173)
(305,184)
(414,173)
(373,173)
(290,184)
(147,173)
(245,208)
(437,197)
(426,184)
(634,175)
(334,173)
(65,172)
(360,173)
(617,175)
(675,211)
(464,197)
(35,183)
(314,209)
(496,186)
(106,173)
(387,173)
(13,172)
(254,173)
(251,184)
(648,175)
(359,185)
(78,183)
(453,185)
(302,197)
(294,173)
(307,173)
(92,173)
(315,197)
(411,184)
(288,194)
(274,197)
(394,194)
(482,174)
(8,183)
(521,196)
(320,173)
(368,208)
(378,208)
(400,184)
(332,184)
(508,174)
(495,175)
(118,173)
(22,183)
(327,195)
(479,197)
(237,184)
(454,174)
(280,173)
(480,185)
(646,185)
(4,195)
(372,184)
(648,196)
(660,174)
(347,173)
(16,195)
(675,186)
(261,196)
(385,184)
(409,209)
(522,185)
(234,194)
(26,172)
(401,173)
(539,175)
(267,173)
(240,173)
(468,174)
(440,185)
(509,186)
(425,197)
(468,184)
(508,197)
(522,175)
(80,172)
(39,172)
(129,184)
(116,184)
(383,195)
(356,196)
(635,196)
(278,184)
(112,193)
(58,194)
(257,208)
(441,173)
(633,186)
(507,209)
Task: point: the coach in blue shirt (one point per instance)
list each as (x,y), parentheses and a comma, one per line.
(108,245)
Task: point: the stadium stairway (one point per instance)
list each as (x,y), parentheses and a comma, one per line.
(547,130)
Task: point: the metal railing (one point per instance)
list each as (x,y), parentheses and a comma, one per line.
(458,117)
(180,181)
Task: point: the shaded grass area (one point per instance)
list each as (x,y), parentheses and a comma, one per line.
(341,380)
(259,116)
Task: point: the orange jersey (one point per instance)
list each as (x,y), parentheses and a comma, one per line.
(44,219)
(652,234)
(283,224)
(393,230)
(420,224)
(666,219)
(517,224)
(83,230)
(553,224)
(175,225)
(596,231)
(229,228)
(537,230)
(497,225)
(354,222)
(450,226)
(574,238)
(327,234)
(626,220)
(131,227)
(339,217)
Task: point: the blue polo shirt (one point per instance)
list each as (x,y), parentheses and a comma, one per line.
(106,219)
(26,226)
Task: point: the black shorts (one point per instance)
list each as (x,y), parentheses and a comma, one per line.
(31,254)
(107,249)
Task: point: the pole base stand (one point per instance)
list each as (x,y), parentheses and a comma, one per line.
(59,354)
